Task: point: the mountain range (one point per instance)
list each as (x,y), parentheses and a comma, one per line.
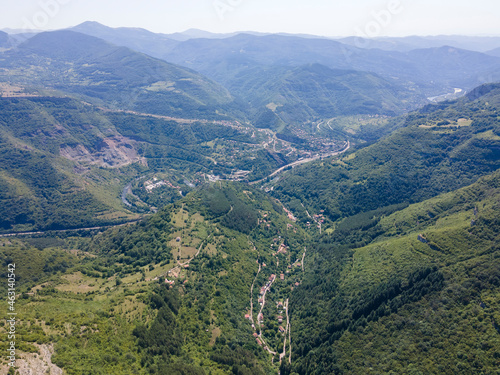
(90,67)
(196,203)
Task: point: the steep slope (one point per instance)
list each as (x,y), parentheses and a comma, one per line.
(4,40)
(405,282)
(446,68)
(312,91)
(141,40)
(84,65)
(457,67)
(42,190)
(216,248)
(418,291)
(97,153)
(441,148)
(34,194)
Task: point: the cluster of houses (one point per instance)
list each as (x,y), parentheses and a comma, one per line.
(265,287)
(150,185)
(259,341)
(281,250)
(265,222)
(290,215)
(298,263)
(319,218)
(239,175)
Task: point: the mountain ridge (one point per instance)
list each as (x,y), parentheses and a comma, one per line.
(102,71)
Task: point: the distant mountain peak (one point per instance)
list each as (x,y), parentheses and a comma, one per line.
(65,43)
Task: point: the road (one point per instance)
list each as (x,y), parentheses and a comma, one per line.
(128,190)
(287,330)
(251,295)
(303,161)
(260,312)
(264,298)
(68,230)
(303,257)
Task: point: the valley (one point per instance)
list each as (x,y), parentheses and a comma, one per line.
(249,204)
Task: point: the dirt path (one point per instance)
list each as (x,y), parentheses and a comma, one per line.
(264,298)
(287,331)
(251,294)
(180,265)
(303,257)
(307,212)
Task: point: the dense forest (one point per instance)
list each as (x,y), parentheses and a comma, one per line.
(440,148)
(293,217)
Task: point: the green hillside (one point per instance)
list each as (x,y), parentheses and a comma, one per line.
(415,293)
(428,71)
(214,245)
(98,71)
(440,148)
(315,91)
(292,222)
(65,163)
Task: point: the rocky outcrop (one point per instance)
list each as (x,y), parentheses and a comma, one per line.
(112,152)
(36,364)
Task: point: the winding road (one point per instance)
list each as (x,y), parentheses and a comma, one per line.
(303,161)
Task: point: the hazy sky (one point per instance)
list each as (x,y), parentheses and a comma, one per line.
(319,17)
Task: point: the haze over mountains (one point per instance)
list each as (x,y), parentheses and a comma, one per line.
(400,77)
(250,203)
(199,54)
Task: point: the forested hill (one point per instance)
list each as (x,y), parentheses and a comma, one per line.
(440,148)
(65,163)
(412,292)
(311,91)
(285,223)
(101,72)
(404,273)
(168,295)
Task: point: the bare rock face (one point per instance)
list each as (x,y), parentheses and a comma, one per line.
(36,364)
(113,152)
